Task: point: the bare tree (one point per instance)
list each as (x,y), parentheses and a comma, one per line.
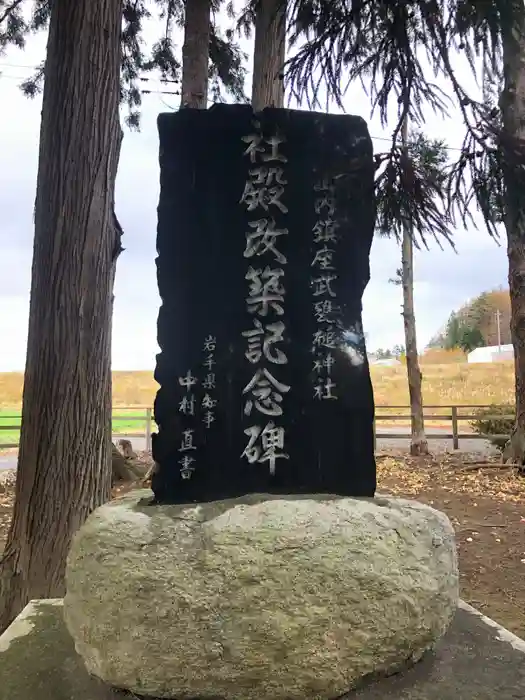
(64,464)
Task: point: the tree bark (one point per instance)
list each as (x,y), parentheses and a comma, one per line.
(513,144)
(64,464)
(195,54)
(269,55)
(418,441)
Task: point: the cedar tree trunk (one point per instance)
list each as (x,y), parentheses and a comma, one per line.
(195,54)
(64,464)
(269,55)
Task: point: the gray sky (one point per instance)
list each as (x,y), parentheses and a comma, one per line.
(443,279)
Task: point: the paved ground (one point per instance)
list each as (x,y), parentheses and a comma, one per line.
(437,444)
(8,462)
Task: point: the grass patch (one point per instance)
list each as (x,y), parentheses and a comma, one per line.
(9,417)
(133,422)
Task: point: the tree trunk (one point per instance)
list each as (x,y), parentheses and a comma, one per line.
(126,469)
(195,54)
(64,464)
(513,143)
(418,441)
(269,55)
(119,468)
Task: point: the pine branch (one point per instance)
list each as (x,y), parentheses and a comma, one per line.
(380,44)
(226,59)
(10,10)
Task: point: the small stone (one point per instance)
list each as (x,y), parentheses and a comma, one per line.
(469,539)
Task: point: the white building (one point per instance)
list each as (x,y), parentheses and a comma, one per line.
(387,362)
(491,353)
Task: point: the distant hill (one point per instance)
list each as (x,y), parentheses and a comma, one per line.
(475,323)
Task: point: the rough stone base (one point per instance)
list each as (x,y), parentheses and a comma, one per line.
(476,660)
(261,597)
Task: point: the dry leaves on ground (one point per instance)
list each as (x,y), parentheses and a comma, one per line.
(486,505)
(456,473)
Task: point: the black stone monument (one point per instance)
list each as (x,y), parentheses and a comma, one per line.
(265,224)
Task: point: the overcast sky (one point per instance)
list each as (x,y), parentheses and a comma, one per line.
(443,279)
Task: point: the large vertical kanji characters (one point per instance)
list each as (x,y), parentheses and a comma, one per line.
(265,227)
(263,395)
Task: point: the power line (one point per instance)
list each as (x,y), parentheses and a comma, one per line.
(374,138)
(164,81)
(384,138)
(13,77)
(35,68)
(17,65)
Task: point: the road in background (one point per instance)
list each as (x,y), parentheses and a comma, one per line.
(383,443)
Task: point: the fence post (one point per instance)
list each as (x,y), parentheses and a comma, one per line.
(455,431)
(148,429)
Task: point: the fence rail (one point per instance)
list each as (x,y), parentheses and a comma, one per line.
(146,418)
(454,418)
(451,414)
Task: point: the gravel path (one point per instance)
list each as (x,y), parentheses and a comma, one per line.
(437,444)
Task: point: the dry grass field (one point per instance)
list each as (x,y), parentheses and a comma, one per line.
(443,384)
(448,384)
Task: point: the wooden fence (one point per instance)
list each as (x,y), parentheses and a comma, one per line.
(452,415)
(146,418)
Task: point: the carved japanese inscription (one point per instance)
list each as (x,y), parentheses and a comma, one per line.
(265,227)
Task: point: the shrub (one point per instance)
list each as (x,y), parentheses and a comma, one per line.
(488,422)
